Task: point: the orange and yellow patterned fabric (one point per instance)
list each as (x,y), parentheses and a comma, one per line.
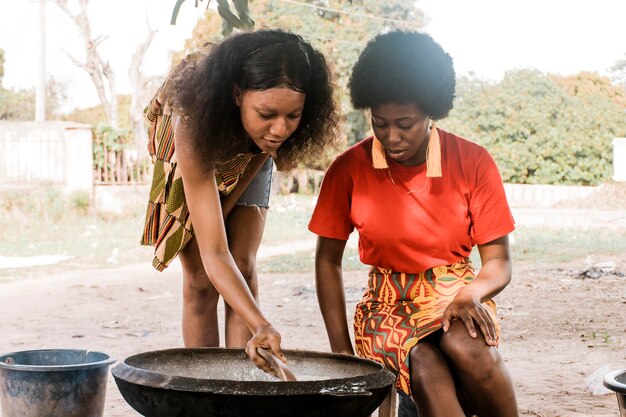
(399,309)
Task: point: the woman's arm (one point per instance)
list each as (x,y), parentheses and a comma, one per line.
(205,210)
(494,276)
(330,293)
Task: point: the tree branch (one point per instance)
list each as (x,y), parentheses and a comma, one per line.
(94,65)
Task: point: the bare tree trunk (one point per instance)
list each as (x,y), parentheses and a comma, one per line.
(40,97)
(141,93)
(97,68)
(110,75)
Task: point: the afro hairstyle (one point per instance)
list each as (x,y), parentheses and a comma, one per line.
(404,67)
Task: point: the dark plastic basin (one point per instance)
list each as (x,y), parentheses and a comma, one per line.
(53,383)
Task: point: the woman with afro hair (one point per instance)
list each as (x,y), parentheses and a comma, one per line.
(214,128)
(420,198)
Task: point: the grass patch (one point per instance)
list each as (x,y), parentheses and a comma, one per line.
(304,261)
(43,221)
(529,245)
(547,245)
(301,261)
(288,219)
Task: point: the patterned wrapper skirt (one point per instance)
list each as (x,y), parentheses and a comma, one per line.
(399,309)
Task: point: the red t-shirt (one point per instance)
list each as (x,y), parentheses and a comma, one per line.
(436,224)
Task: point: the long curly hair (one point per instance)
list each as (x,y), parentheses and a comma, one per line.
(201,89)
(404,67)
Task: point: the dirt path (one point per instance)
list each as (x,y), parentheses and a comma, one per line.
(557,329)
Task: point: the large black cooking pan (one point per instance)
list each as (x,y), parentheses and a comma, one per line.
(223,382)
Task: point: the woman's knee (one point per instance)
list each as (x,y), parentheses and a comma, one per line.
(197,287)
(245,232)
(246,263)
(196,283)
(423,358)
(469,355)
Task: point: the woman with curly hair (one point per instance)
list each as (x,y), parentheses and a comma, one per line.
(420,199)
(214,127)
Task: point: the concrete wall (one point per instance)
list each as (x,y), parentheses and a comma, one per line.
(48,152)
(119,199)
(537,195)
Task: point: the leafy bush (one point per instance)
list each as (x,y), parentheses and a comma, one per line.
(543,129)
(80,201)
(43,204)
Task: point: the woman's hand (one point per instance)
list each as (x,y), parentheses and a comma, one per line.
(467,307)
(494,275)
(265,337)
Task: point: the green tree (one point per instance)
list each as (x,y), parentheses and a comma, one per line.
(590,85)
(20,104)
(17,104)
(618,72)
(94,116)
(542,129)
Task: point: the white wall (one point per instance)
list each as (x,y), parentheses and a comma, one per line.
(49,152)
(538,195)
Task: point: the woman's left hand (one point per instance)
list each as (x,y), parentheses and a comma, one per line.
(468,308)
(494,275)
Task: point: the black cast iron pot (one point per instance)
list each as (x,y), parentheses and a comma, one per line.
(221,382)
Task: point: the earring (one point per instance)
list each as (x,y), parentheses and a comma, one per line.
(433,153)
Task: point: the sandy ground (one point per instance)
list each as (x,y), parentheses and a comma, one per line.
(558,329)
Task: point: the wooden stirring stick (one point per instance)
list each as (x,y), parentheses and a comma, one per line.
(281,368)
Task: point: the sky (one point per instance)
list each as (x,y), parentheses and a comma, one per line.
(124,22)
(487,37)
(491,37)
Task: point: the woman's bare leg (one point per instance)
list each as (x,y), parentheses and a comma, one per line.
(432,383)
(200,298)
(244,228)
(481,372)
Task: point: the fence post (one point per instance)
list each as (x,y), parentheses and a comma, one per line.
(619,159)
(78,158)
